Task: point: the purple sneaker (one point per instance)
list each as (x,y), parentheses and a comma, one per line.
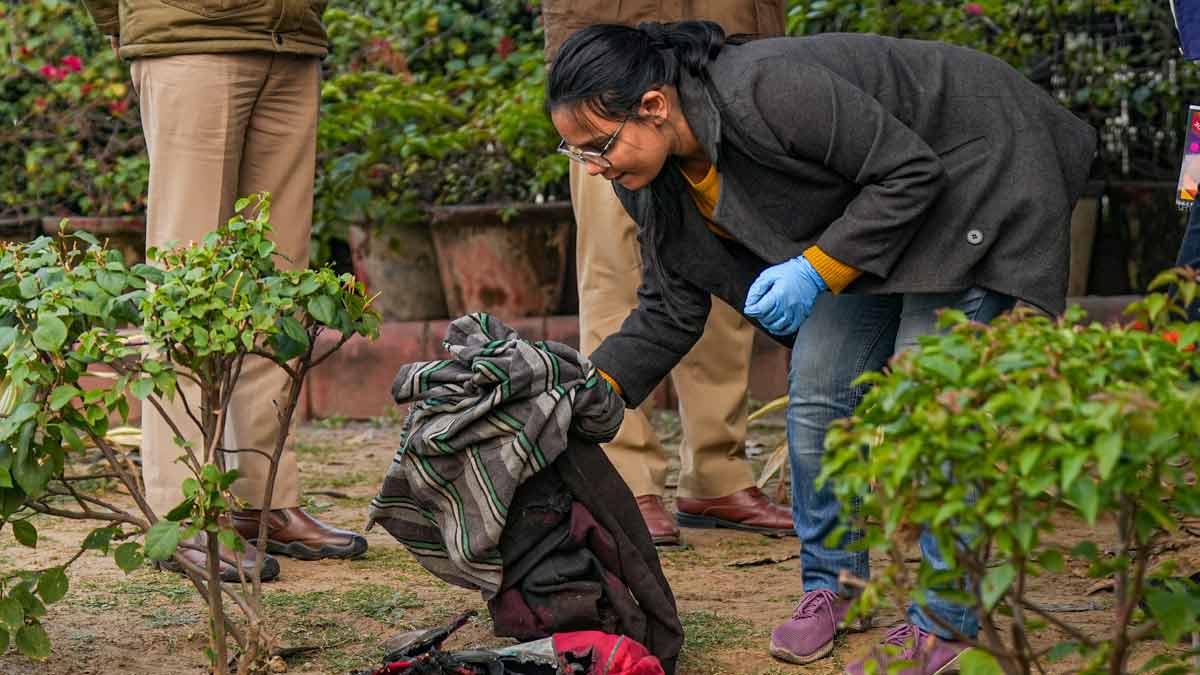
(809,634)
(926,653)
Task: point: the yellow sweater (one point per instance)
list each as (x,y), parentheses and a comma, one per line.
(837,275)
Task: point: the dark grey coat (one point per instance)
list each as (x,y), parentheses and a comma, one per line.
(929,167)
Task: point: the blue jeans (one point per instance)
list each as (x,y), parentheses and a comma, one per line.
(1189,254)
(845,336)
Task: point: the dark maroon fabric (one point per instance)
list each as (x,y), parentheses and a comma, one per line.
(578,557)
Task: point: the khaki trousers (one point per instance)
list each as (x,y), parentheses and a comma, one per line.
(710,382)
(219,127)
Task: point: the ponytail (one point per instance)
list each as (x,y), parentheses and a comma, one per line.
(608,67)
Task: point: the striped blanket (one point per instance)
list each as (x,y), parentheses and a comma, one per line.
(482,422)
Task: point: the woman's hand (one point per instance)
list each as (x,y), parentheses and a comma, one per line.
(782,296)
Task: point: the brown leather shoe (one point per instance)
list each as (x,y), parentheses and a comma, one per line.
(663,530)
(229,573)
(295,534)
(747,509)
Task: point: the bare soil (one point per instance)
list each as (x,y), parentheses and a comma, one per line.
(151,622)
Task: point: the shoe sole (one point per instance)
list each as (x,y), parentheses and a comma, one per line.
(710,523)
(270,571)
(299,551)
(791,657)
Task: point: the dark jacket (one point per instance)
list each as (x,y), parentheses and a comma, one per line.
(173,27)
(931,168)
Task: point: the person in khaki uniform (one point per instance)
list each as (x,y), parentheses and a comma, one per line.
(716,484)
(229,92)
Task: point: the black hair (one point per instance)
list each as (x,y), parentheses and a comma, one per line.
(606,69)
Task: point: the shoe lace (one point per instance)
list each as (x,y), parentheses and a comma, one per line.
(906,636)
(813,603)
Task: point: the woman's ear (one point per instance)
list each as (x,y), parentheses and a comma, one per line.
(655,106)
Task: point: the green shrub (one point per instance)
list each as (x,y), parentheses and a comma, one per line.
(986,434)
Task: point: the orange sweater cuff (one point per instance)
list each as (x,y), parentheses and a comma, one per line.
(837,275)
(616,387)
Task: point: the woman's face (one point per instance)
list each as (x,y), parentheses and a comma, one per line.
(637,152)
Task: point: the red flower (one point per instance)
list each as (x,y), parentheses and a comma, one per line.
(118,107)
(25,51)
(973,9)
(51,73)
(507,46)
(1172,336)
(85,88)
(39,103)
(72,63)
(1137,325)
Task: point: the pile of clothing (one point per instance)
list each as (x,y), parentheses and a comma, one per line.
(500,485)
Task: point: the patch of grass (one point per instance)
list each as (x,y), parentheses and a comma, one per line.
(341,480)
(371,601)
(313,507)
(707,632)
(146,585)
(346,660)
(314,451)
(165,617)
(332,422)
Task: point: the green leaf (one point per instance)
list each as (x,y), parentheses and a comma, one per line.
(183,509)
(1175,612)
(230,540)
(50,333)
(25,533)
(978,662)
(142,388)
(52,585)
(1061,651)
(1108,451)
(995,584)
(942,366)
(293,329)
(99,539)
(62,395)
(12,613)
(128,556)
(323,309)
(3,640)
(33,642)
(162,539)
(1087,499)
(112,282)
(8,335)
(1071,466)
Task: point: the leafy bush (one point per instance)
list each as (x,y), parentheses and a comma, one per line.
(1115,63)
(986,434)
(202,310)
(71,140)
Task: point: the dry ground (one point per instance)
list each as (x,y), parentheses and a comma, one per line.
(150,622)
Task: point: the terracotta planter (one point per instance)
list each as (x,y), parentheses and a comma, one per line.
(124,233)
(511,267)
(400,265)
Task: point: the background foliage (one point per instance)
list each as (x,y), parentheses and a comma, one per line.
(439,101)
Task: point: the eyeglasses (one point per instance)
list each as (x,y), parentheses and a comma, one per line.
(593,157)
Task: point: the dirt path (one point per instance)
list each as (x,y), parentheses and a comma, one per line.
(149,622)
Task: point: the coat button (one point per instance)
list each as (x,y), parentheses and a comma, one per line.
(974,237)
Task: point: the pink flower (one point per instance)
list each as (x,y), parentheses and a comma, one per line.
(973,9)
(507,46)
(51,73)
(72,63)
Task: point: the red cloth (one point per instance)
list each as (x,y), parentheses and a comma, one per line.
(611,654)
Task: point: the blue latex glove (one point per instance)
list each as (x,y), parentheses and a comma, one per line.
(782,296)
